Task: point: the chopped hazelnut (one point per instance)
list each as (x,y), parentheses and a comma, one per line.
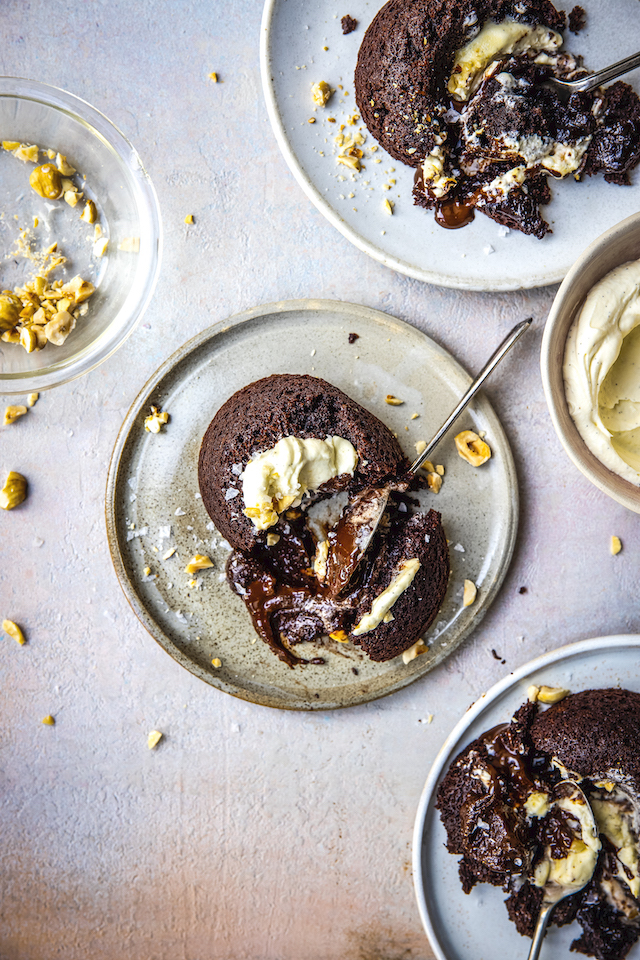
(470,593)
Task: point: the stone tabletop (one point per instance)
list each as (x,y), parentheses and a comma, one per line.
(248,833)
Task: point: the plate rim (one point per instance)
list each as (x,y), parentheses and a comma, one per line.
(452,742)
(143,398)
(393,263)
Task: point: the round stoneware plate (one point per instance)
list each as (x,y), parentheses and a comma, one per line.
(153,504)
(302,43)
(475,926)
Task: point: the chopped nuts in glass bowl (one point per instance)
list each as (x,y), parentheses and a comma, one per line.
(80,237)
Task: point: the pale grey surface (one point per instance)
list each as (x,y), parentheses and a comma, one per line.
(249,834)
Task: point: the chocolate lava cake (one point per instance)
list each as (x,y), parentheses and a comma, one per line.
(481,128)
(280,571)
(492,804)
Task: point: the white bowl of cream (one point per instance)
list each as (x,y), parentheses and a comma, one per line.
(590,363)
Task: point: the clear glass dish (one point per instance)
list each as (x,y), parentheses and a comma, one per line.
(109,172)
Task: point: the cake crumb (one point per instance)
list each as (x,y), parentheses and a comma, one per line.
(577,19)
(216,662)
(154,739)
(497,656)
(616,545)
(348,24)
(353,337)
(523,590)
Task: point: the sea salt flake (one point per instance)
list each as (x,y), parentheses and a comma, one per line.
(231,493)
(180,512)
(459,548)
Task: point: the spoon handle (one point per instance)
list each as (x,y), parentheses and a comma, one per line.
(495,359)
(608,73)
(541,929)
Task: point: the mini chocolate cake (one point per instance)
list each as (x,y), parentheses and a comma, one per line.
(493,807)
(486,133)
(280,571)
(283,405)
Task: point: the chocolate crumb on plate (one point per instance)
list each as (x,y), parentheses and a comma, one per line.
(353,337)
(577,19)
(348,24)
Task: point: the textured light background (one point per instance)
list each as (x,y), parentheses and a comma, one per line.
(248,834)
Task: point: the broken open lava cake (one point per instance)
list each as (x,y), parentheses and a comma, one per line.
(456,89)
(496,804)
(278,463)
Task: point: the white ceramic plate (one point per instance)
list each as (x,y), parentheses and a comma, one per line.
(475,926)
(153,501)
(477,257)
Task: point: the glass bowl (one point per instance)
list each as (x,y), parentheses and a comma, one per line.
(109,172)
(616,246)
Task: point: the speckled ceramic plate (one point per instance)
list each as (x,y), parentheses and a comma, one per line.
(153,504)
(302,43)
(475,926)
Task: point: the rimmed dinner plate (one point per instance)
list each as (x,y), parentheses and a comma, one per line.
(302,43)
(475,926)
(153,503)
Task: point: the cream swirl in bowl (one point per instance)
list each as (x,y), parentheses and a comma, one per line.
(601,371)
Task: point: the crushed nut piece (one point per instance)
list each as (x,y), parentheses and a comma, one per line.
(616,545)
(130,245)
(89,214)
(272,539)
(340,636)
(147,571)
(59,327)
(472,449)
(154,738)
(49,721)
(321,93)
(387,206)
(213,77)
(46,182)
(14,631)
(311,120)
(199,562)
(65,168)
(156,420)
(14,491)
(393,401)
(216,662)
(414,416)
(189,218)
(551,694)
(434,482)
(11,414)
(470,593)
(170,552)
(440,470)
(414,651)
(100,247)
(532,693)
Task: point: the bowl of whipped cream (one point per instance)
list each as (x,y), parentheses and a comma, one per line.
(590,363)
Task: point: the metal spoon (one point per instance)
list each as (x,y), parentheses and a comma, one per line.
(566,87)
(357,525)
(554,892)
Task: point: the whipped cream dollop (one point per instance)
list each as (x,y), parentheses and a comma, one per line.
(278,478)
(602,371)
